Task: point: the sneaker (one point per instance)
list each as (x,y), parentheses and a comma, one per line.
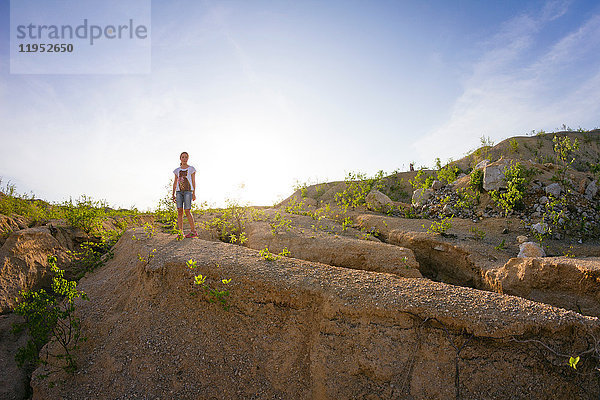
(191,235)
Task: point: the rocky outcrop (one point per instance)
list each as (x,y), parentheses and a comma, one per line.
(421,195)
(23,263)
(438,259)
(554,190)
(530,249)
(570,283)
(304,330)
(378,201)
(335,250)
(493,175)
(591,190)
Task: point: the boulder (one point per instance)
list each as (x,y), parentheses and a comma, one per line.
(530,249)
(437,185)
(378,201)
(540,227)
(421,195)
(493,176)
(565,282)
(554,190)
(591,190)
(335,250)
(23,263)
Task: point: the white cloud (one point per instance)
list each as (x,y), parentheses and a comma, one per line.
(509,94)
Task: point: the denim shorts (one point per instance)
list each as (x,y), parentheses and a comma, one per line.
(184,199)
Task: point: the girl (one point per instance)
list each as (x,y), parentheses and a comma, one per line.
(184,192)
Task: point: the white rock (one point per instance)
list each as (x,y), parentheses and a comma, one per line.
(493,177)
(540,227)
(521,239)
(377,201)
(530,249)
(554,190)
(591,190)
(543,200)
(420,196)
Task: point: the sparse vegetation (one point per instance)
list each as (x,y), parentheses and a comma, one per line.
(517,179)
(231,223)
(358,186)
(214,294)
(267,255)
(476,180)
(564,149)
(50,317)
(441,227)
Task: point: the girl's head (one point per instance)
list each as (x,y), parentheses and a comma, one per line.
(184,158)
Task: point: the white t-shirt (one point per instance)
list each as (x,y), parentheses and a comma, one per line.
(184,178)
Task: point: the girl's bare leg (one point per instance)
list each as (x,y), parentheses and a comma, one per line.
(190,217)
(180,219)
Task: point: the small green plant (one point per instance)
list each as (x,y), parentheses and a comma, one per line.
(346,223)
(564,149)
(214,294)
(50,317)
(148,258)
(514,145)
(569,252)
(476,180)
(231,223)
(440,227)
(573,362)
(149,230)
(267,255)
(467,199)
(478,233)
(280,223)
(501,246)
(285,252)
(422,179)
(448,174)
(517,179)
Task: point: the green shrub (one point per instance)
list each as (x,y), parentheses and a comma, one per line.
(517,179)
(231,223)
(564,149)
(476,180)
(440,227)
(358,186)
(30,208)
(50,317)
(84,213)
(422,179)
(448,174)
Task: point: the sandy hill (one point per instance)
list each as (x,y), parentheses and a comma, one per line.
(363,288)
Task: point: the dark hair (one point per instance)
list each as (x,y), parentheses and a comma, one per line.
(182,153)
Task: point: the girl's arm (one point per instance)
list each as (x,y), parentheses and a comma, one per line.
(174,187)
(194,186)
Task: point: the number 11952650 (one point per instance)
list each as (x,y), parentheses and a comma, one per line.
(45,48)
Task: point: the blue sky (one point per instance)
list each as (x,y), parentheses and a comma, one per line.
(264,93)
